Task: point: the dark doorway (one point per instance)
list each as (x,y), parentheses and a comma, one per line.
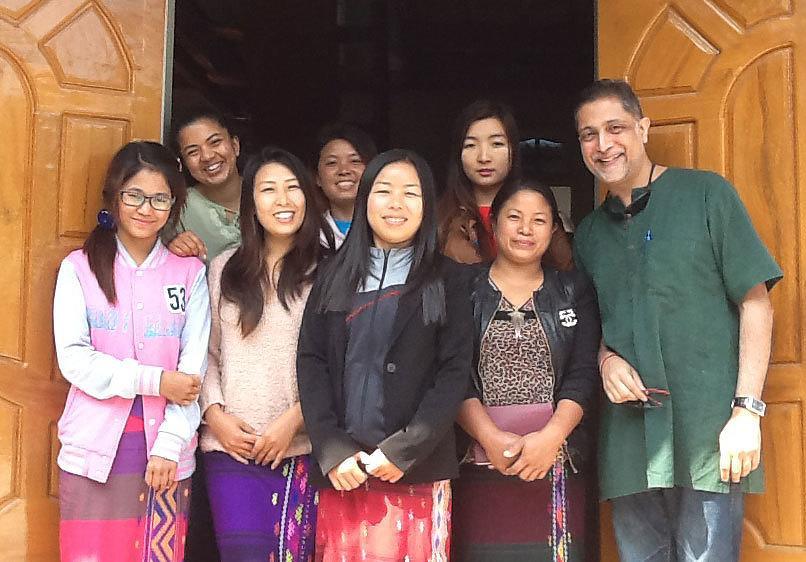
(401,69)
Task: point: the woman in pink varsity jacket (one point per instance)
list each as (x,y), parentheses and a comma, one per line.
(131,324)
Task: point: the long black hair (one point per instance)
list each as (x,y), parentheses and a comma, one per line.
(459,197)
(348,269)
(136,156)
(245,276)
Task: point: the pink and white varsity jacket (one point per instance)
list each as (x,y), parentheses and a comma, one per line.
(111,353)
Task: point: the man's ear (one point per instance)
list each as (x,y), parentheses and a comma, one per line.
(643,124)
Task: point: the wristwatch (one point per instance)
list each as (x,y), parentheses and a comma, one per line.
(749,403)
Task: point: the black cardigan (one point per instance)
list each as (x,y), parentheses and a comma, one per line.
(567,307)
(426,377)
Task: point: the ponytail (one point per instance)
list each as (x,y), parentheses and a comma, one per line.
(101,247)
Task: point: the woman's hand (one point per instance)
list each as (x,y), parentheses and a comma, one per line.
(494,446)
(272,444)
(236,436)
(347,475)
(180,388)
(379,466)
(536,454)
(187,244)
(160,473)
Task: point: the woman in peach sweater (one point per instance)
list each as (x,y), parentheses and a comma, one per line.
(256,450)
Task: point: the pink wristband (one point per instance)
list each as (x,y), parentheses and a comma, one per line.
(608,356)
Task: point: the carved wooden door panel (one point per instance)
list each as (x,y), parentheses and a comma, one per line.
(78,78)
(718,78)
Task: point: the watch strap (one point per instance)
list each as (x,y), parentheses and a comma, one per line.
(754,405)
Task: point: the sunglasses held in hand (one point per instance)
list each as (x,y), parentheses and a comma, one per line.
(651,402)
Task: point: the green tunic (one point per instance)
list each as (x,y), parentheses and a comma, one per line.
(669,280)
(211,222)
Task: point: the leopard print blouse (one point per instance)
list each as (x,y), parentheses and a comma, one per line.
(515,365)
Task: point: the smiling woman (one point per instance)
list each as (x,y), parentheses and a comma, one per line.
(129,423)
(255,448)
(383,360)
(209,150)
(395,206)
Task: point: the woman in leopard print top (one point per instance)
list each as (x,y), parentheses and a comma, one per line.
(537,332)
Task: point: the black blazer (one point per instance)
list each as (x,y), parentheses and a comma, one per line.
(427,375)
(567,307)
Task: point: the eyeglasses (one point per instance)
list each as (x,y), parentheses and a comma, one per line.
(136,198)
(651,402)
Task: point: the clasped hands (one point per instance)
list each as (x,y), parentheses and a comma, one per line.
(529,457)
(348,474)
(243,443)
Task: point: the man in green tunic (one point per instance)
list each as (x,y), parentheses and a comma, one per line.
(683,280)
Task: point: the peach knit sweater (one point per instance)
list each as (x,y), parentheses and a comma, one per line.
(254,378)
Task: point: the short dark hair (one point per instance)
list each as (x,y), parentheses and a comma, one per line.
(190,115)
(609,88)
(356,136)
(510,189)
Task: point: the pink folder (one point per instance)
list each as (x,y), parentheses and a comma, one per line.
(520,419)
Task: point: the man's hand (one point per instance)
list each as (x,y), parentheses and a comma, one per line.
(538,452)
(180,388)
(236,436)
(620,381)
(273,442)
(494,446)
(739,445)
(347,475)
(160,473)
(188,244)
(379,466)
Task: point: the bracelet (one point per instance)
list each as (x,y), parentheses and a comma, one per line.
(603,361)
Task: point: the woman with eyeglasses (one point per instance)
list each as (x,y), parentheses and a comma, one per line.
(131,322)
(484,157)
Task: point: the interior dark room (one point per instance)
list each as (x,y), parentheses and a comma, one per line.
(401,69)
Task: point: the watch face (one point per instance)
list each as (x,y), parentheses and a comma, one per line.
(749,403)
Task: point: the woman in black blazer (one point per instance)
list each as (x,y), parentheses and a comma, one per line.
(383,365)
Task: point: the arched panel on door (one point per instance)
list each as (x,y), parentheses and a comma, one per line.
(16,130)
(78,79)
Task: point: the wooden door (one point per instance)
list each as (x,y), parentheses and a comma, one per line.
(718,78)
(78,78)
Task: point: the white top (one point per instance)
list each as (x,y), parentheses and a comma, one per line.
(338,236)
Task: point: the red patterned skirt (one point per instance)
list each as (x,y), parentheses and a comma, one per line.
(381,521)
